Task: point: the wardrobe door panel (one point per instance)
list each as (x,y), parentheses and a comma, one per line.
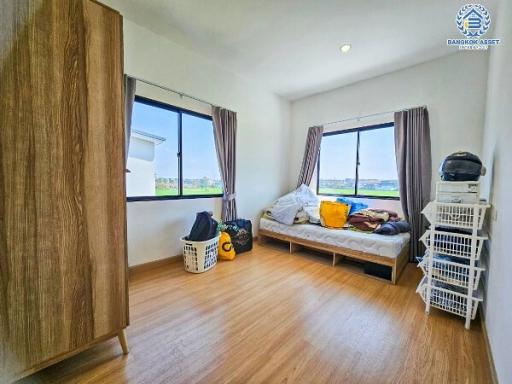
(104,170)
(62,198)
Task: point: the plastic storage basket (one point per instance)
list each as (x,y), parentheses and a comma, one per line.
(448,299)
(458,187)
(459,192)
(451,272)
(455,214)
(457,198)
(200,256)
(454,244)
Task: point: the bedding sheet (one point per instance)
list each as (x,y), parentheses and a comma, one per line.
(286,208)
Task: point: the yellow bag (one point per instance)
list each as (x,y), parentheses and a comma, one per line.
(333,214)
(226,249)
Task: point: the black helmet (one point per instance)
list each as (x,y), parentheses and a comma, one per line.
(461,166)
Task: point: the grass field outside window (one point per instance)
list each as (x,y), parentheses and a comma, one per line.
(362,192)
(188,191)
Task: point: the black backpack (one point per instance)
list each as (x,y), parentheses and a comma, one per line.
(204,228)
(461,166)
(240,231)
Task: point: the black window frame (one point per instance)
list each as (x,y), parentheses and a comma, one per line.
(180,111)
(351,130)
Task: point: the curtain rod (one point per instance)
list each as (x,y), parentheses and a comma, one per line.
(371,115)
(182,94)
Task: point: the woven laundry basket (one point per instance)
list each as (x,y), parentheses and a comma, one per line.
(200,256)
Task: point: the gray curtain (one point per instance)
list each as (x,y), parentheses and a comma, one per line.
(310,158)
(414,163)
(224,125)
(129,99)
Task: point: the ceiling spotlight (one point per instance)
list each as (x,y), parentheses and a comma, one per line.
(345,48)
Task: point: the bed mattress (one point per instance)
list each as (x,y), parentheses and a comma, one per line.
(381,245)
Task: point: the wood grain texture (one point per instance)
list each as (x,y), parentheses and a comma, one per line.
(274,317)
(397,264)
(329,248)
(62,207)
(162,263)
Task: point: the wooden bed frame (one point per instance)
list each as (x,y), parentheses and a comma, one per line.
(296,243)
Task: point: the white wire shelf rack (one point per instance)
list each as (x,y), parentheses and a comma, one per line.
(456,215)
(454,244)
(442,297)
(451,272)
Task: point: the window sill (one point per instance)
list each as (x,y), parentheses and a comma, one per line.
(164,198)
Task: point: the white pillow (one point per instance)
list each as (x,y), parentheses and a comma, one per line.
(314,214)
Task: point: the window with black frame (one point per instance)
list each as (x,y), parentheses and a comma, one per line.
(359,162)
(172,154)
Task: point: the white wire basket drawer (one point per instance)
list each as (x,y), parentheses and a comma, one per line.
(451,272)
(455,215)
(448,299)
(454,244)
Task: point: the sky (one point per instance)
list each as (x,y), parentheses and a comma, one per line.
(376,155)
(199,156)
(337,155)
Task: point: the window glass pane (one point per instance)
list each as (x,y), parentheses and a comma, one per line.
(338,164)
(152,156)
(201,174)
(377,163)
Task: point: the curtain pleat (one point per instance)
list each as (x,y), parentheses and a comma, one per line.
(224,125)
(129,98)
(311,150)
(414,164)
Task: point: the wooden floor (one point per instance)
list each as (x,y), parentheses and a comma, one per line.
(272,317)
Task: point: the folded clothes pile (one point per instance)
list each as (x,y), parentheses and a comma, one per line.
(393,228)
(379,221)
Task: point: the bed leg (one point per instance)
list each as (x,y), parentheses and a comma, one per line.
(393,274)
(295,247)
(336,258)
(400,264)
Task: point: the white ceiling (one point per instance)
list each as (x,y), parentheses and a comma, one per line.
(292,46)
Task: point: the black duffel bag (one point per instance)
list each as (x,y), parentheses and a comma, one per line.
(204,228)
(240,231)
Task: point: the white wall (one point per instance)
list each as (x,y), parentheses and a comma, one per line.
(497,186)
(141,163)
(453,88)
(262,144)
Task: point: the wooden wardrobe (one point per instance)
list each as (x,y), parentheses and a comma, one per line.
(63,263)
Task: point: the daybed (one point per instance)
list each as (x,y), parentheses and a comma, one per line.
(390,251)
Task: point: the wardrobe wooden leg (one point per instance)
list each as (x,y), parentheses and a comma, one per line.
(122,340)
